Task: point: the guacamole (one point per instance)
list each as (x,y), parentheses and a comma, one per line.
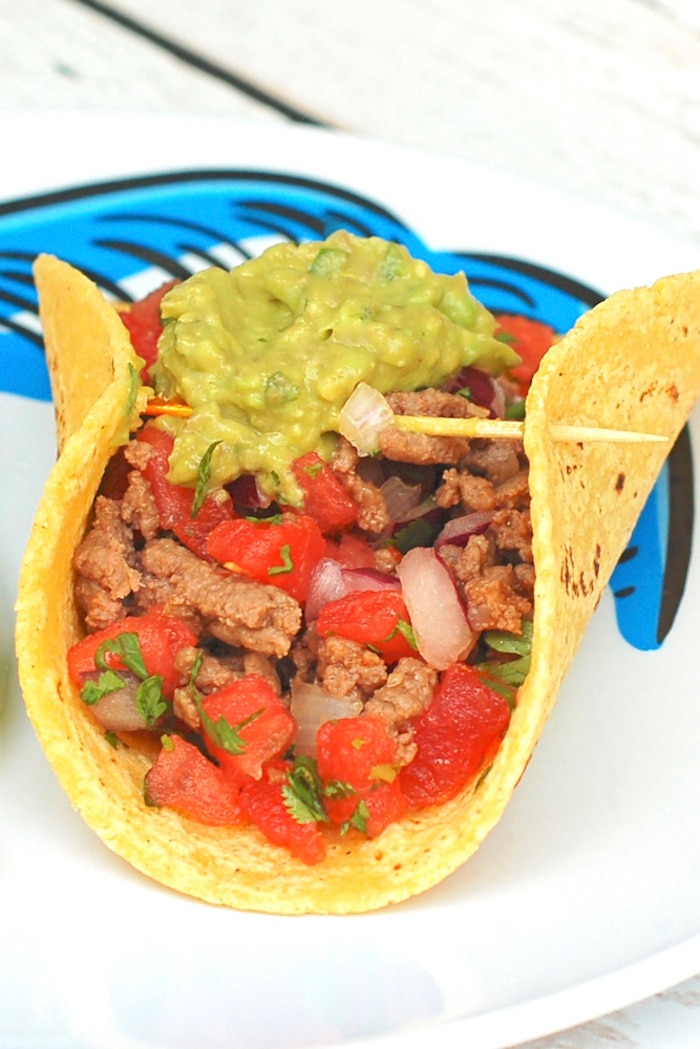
(267,354)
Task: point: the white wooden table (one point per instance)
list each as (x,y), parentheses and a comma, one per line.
(600,97)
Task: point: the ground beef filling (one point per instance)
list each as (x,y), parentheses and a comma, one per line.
(127,565)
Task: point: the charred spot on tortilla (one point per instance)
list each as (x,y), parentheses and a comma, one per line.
(620,482)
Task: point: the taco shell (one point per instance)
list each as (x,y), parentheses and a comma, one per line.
(631,363)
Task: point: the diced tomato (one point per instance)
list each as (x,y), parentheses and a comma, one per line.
(325,499)
(457,736)
(351,749)
(354,551)
(263,803)
(386,804)
(371,617)
(252,724)
(281,550)
(359,753)
(195,531)
(529,338)
(174,501)
(182,778)
(142,321)
(160,639)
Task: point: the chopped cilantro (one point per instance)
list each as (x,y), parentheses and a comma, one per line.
(419,532)
(511,674)
(225,735)
(134,385)
(128,648)
(108,682)
(287,563)
(303,792)
(150,701)
(516,410)
(203,475)
(358,820)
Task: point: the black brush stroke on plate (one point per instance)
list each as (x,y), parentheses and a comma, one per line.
(680,531)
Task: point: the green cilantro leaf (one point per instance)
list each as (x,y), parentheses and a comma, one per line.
(419,532)
(510,674)
(509,643)
(358,820)
(128,648)
(303,792)
(203,475)
(338,788)
(516,410)
(150,701)
(225,735)
(134,385)
(287,563)
(93,691)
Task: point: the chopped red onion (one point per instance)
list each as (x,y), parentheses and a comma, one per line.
(459,530)
(117,711)
(330,580)
(311,706)
(327,584)
(363,415)
(483,389)
(400,497)
(443,635)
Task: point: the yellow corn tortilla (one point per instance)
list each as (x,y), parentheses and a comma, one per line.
(631,363)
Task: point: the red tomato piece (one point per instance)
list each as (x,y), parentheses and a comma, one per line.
(255,722)
(359,753)
(386,804)
(370,617)
(194,532)
(142,321)
(371,810)
(263,803)
(529,338)
(354,551)
(457,736)
(281,550)
(174,501)
(183,779)
(325,499)
(160,639)
(351,749)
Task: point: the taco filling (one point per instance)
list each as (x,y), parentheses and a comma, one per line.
(283,651)
(328,643)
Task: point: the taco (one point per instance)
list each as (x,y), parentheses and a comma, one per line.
(250,663)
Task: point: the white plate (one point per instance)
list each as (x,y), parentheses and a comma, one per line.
(587,895)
